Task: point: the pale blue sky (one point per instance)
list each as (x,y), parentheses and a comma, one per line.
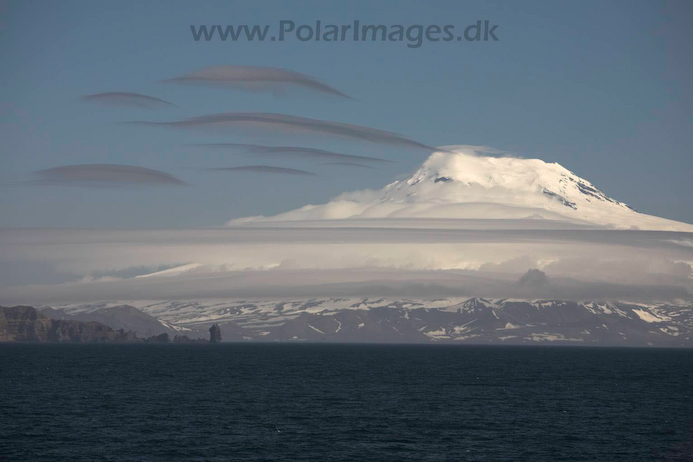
(604,88)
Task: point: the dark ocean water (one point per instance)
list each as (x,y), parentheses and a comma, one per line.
(343,402)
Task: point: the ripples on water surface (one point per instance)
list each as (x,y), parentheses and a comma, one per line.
(343,402)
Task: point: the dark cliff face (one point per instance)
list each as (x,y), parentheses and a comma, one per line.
(127,318)
(25,324)
(123,317)
(76,331)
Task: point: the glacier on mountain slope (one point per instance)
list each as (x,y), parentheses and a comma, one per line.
(463,183)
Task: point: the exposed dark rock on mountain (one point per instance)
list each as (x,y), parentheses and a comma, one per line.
(215,334)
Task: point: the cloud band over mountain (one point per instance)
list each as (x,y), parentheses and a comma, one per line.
(417,262)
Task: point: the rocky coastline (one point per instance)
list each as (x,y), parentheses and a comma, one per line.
(26,324)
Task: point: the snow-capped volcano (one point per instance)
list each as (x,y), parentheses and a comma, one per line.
(462,183)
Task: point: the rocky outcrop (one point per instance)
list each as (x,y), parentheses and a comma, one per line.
(124,317)
(186,339)
(215,334)
(161,338)
(87,332)
(25,324)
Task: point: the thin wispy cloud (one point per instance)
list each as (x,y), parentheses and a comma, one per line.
(263,169)
(255,79)
(105,175)
(290,151)
(319,283)
(272,123)
(127,99)
(348,164)
(480,151)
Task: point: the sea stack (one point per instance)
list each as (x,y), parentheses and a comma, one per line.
(215,334)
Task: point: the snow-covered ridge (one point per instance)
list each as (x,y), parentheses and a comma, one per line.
(475,320)
(192,313)
(459,183)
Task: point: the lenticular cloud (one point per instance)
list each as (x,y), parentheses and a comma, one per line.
(291,151)
(264,169)
(272,123)
(106,175)
(255,79)
(127,99)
